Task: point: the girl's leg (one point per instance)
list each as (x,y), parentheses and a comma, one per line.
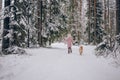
(69,50)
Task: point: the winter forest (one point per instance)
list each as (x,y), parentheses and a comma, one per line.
(30,29)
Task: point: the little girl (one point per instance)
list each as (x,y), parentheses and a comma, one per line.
(69,42)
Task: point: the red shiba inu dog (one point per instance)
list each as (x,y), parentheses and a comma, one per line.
(81,50)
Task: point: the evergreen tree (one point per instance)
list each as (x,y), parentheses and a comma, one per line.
(53,21)
(94,29)
(14,27)
(111,43)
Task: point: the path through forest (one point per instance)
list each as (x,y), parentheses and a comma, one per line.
(55,64)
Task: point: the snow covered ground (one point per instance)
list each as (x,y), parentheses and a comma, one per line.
(55,64)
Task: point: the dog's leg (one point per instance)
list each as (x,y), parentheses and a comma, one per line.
(80,52)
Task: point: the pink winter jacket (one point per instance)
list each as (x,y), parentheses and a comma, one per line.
(69,41)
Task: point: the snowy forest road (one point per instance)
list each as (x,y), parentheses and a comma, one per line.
(55,64)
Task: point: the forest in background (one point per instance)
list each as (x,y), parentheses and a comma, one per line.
(38,23)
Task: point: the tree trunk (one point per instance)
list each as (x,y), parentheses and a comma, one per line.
(89,14)
(108,18)
(39,6)
(6,28)
(105,16)
(117,17)
(95,21)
